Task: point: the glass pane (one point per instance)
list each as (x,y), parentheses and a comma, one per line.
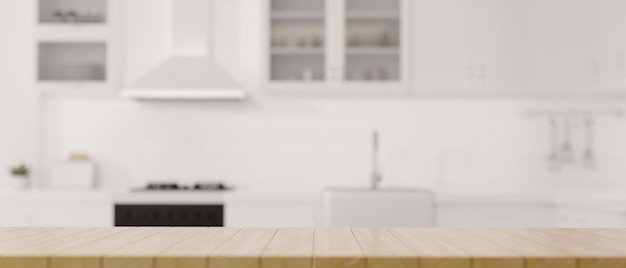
(373,5)
(72,61)
(373,40)
(72,11)
(297,40)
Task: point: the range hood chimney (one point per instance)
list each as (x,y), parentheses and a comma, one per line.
(190,72)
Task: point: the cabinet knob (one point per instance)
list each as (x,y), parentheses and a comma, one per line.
(340,73)
(29,220)
(330,75)
(314,221)
(469,70)
(482,72)
(619,60)
(595,67)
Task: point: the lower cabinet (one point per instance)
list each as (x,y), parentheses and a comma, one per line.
(55,212)
(585,218)
(493,215)
(62,214)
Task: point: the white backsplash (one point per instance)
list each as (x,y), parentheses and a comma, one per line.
(457,144)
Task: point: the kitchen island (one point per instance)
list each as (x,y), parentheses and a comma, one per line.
(196,247)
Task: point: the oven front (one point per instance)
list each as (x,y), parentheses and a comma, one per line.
(169,215)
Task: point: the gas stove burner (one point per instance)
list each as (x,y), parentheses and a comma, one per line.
(199,186)
(209,186)
(162,186)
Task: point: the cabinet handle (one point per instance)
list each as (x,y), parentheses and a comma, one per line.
(619,61)
(469,71)
(595,67)
(314,221)
(330,74)
(340,73)
(334,74)
(482,70)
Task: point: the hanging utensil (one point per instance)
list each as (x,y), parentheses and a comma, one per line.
(567,151)
(554,161)
(588,159)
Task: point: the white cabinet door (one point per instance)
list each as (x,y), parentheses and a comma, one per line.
(470,45)
(501,49)
(272,211)
(56,210)
(73,214)
(263,215)
(613,43)
(17,215)
(587,218)
(565,45)
(298,41)
(495,216)
(442,45)
(374,43)
(330,46)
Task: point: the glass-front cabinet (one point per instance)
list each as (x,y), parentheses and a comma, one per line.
(297,40)
(338,46)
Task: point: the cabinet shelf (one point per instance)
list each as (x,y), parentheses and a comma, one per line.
(50,11)
(51,32)
(74,88)
(393,51)
(372,15)
(69,62)
(297,51)
(297,15)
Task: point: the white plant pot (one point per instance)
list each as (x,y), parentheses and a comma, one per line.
(18,182)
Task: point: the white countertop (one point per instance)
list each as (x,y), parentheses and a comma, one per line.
(169,198)
(216,197)
(491,197)
(53,194)
(607,201)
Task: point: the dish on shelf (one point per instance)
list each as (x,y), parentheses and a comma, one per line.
(80,71)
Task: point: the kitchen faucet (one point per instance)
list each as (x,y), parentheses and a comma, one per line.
(376,175)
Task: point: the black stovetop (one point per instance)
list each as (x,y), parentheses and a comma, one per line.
(199,186)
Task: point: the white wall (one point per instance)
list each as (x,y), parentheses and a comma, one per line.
(19,110)
(453,143)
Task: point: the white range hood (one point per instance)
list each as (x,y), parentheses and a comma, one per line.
(189,71)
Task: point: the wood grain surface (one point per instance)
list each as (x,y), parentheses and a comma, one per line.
(204,247)
(243,250)
(290,248)
(337,247)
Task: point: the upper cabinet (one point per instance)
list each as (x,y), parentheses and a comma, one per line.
(446,47)
(565,45)
(443,45)
(338,45)
(470,46)
(613,44)
(519,47)
(500,59)
(578,46)
(75,47)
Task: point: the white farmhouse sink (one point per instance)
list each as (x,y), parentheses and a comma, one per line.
(378,208)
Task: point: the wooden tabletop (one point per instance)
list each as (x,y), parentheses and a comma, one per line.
(310,247)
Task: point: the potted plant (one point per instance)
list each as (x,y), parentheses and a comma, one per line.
(19,176)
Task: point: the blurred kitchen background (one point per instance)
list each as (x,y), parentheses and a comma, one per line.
(495,112)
